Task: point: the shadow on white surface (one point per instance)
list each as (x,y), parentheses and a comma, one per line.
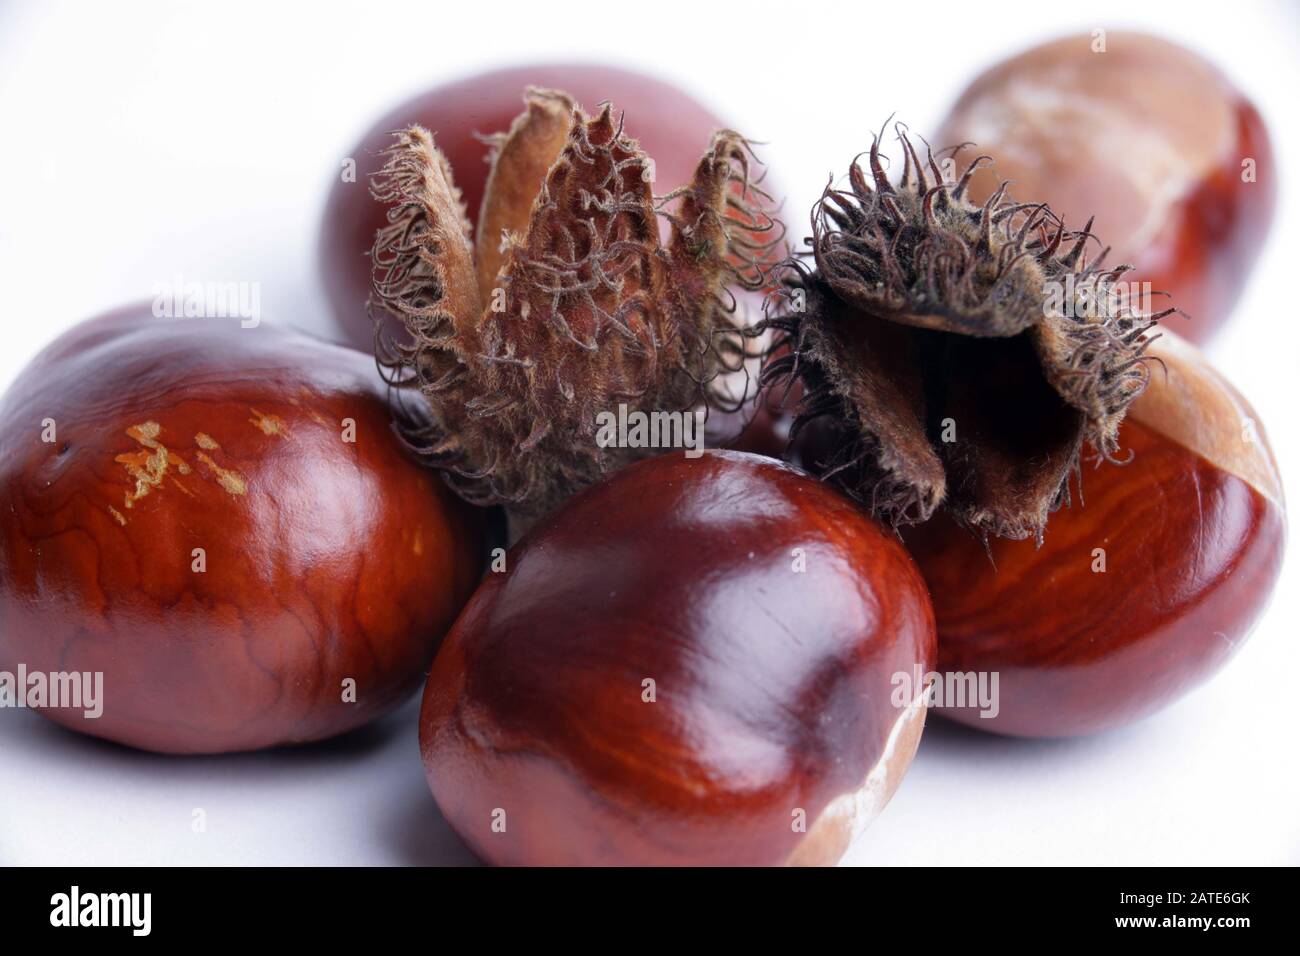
(102,804)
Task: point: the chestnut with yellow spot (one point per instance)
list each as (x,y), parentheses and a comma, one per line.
(306,580)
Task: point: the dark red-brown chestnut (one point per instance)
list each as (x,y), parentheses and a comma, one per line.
(697,661)
(1140,592)
(220,521)
(1159,145)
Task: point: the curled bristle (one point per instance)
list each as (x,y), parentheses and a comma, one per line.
(914,312)
(579,309)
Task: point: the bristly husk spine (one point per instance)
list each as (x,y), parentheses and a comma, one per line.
(588,309)
(920,310)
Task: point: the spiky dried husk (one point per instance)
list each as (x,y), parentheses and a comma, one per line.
(581,311)
(923,317)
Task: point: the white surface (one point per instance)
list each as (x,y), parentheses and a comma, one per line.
(142,141)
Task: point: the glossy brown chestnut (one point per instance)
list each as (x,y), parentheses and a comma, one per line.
(1138,595)
(222,522)
(1171,158)
(654,681)
(671,126)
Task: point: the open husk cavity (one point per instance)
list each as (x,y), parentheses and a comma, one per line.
(951,353)
(566,304)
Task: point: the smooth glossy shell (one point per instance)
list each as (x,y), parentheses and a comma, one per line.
(1148,137)
(1139,594)
(775,731)
(202,531)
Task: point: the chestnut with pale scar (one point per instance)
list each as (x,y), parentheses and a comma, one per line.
(771,689)
(1160,145)
(960,364)
(1136,594)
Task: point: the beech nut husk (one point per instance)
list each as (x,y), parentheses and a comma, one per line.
(565,303)
(670,125)
(964,355)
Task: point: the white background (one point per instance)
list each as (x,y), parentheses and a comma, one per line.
(144,140)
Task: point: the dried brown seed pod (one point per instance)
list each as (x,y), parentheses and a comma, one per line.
(566,304)
(964,353)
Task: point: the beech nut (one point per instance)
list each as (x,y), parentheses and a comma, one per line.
(1168,154)
(221,522)
(1137,595)
(671,126)
(689,663)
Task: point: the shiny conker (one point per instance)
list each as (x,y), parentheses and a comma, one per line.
(1165,151)
(1139,592)
(221,521)
(694,662)
(671,126)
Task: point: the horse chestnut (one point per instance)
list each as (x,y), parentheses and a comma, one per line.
(1139,594)
(1168,154)
(671,126)
(693,662)
(221,521)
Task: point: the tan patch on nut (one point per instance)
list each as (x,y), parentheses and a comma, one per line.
(150,466)
(230,480)
(1188,401)
(268,424)
(848,815)
(206,442)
